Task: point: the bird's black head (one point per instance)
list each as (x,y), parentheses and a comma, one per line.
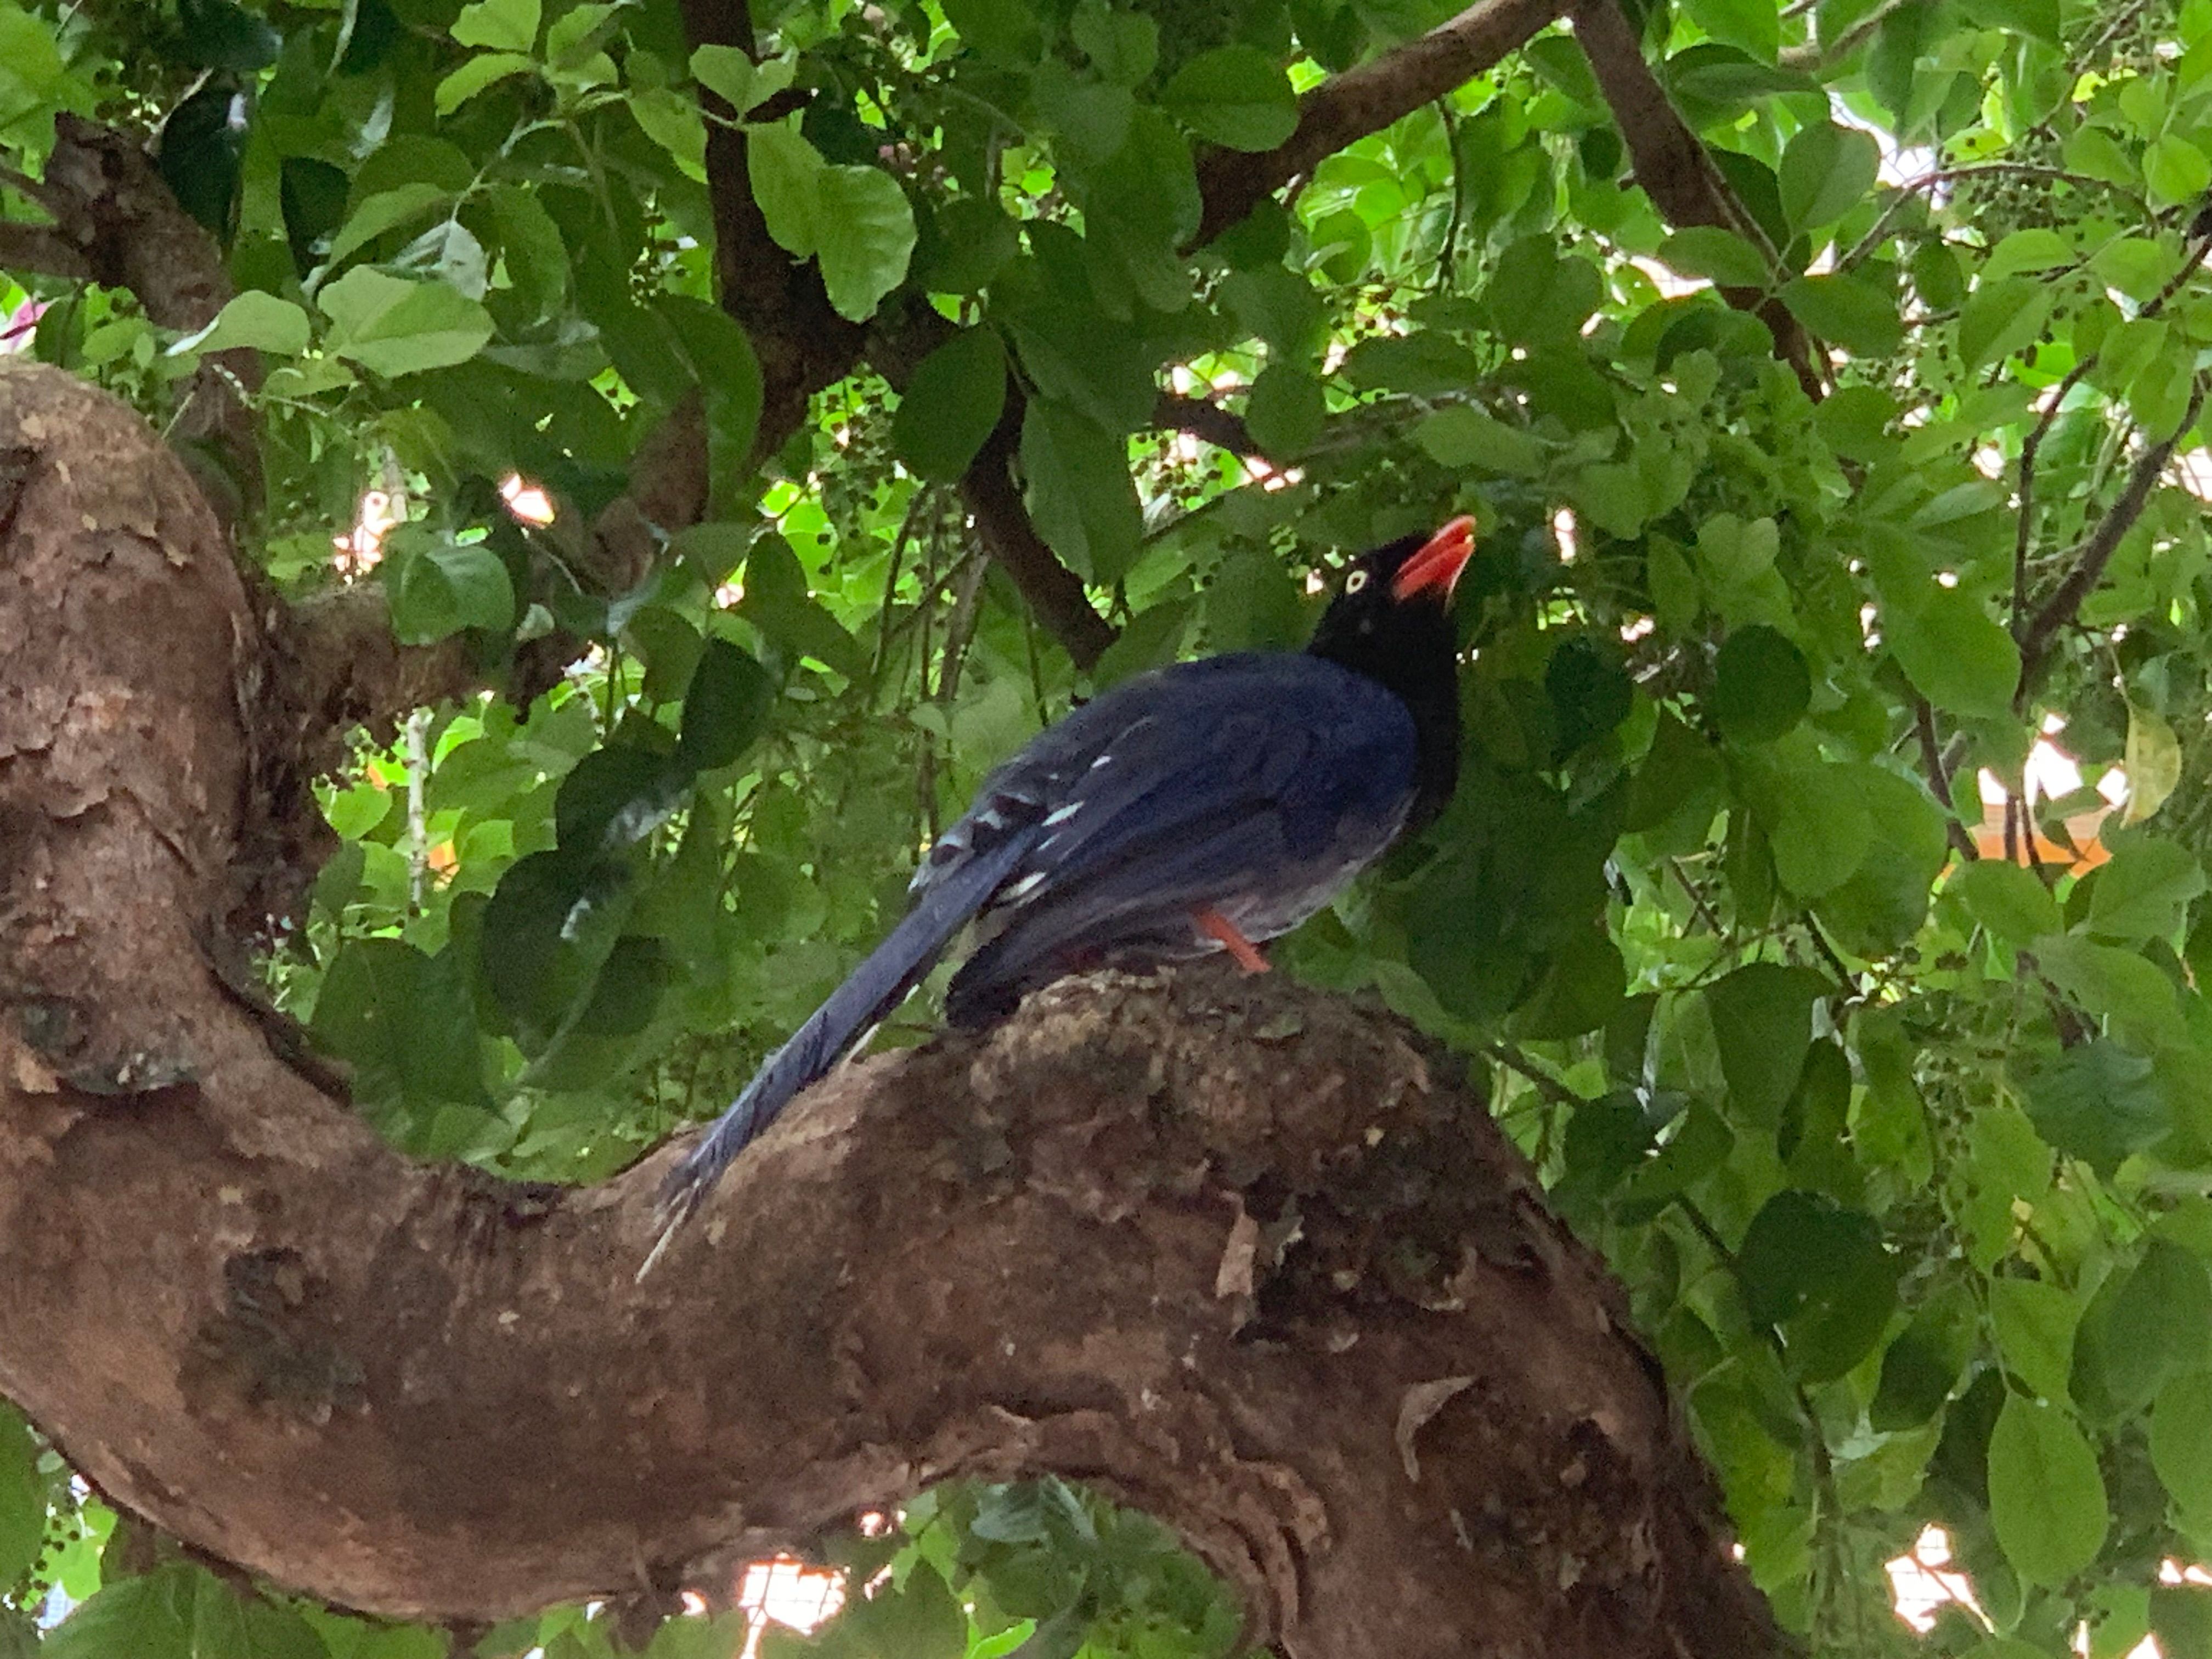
(1393,605)
(1391,621)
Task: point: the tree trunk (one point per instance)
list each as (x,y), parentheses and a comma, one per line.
(1248,1255)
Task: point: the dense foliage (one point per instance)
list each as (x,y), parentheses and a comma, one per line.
(1889,1096)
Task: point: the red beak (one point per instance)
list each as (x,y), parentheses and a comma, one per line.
(1436,567)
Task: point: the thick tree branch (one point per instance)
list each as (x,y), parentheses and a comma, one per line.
(1675,171)
(1423,1427)
(1054,593)
(41,250)
(113,210)
(2095,552)
(1366,100)
(1201,417)
(802,344)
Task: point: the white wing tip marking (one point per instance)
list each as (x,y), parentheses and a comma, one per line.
(1061,814)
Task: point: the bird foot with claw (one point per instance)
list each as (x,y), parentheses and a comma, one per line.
(1218,927)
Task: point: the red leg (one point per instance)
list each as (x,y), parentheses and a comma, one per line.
(1214,925)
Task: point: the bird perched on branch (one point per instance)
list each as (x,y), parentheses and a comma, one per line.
(1205,806)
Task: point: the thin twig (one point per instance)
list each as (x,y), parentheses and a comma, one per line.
(2030,447)
(417,748)
(1445,260)
(2096,551)
(1911,187)
(1939,780)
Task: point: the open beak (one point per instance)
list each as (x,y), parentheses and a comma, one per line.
(1436,567)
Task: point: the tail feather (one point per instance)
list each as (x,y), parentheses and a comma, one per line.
(870,992)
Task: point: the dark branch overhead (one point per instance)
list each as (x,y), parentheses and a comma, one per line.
(1365,100)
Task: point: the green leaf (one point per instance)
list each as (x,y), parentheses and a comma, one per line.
(671,119)
(406,1024)
(1427,365)
(2142,1328)
(720,358)
(2139,268)
(1538,294)
(2098,1102)
(1280,307)
(393,327)
(855,219)
(1234,96)
(501,25)
(2033,1322)
(23,1498)
(2034,249)
(1955,654)
(1999,318)
(1252,603)
(1881,905)
(2035,18)
(1614,496)
(2176,170)
(253,319)
(615,797)
(2152,761)
(148,1618)
(1818,1272)
(724,708)
(436,588)
(739,83)
(1462,436)
(2181,1442)
(864,237)
(1581,989)
(2144,892)
(777,602)
(1286,411)
(785,172)
(1761,685)
(2117,984)
(485,69)
(1753,25)
(387,209)
(965,246)
(1817,822)
(1722,255)
(1080,492)
(1826,172)
(1924,1361)
(1679,767)
(1123,46)
(2046,1497)
(952,405)
(1762,1018)
(535,256)
(1850,311)
(2007,899)
(1004,31)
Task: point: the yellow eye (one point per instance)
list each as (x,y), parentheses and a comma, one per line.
(1355,581)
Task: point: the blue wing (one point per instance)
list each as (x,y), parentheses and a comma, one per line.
(1253,785)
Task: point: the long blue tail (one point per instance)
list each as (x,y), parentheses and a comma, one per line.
(872,991)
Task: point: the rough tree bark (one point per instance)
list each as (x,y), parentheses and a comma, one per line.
(1245,1254)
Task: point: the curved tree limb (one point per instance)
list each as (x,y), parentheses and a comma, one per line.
(1054,593)
(1366,100)
(1423,1427)
(1677,172)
